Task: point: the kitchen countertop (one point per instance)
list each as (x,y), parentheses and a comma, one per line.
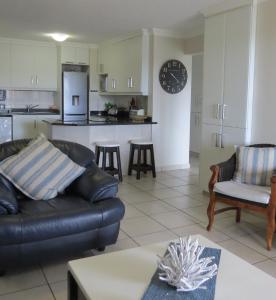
(35,111)
(98,122)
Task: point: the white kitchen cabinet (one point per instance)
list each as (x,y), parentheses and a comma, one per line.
(33,66)
(4,64)
(22,66)
(236,69)
(227,85)
(213,69)
(126,63)
(74,55)
(29,126)
(46,68)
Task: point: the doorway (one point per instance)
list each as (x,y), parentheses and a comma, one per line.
(196,109)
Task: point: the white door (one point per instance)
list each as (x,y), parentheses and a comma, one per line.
(82,56)
(4,64)
(46,68)
(232,136)
(22,66)
(237,51)
(133,63)
(68,55)
(211,153)
(24,127)
(213,69)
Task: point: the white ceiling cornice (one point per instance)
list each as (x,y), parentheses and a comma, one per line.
(226,6)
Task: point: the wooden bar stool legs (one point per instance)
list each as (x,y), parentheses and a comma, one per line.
(109,151)
(141,166)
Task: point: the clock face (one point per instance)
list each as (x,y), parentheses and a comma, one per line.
(173,76)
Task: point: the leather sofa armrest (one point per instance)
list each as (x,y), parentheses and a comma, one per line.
(8,201)
(95,185)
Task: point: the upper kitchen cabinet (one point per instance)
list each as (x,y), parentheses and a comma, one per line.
(33,66)
(125,63)
(4,64)
(75,55)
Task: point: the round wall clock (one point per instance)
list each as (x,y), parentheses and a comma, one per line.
(173,76)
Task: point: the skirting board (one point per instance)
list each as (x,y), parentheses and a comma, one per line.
(172,167)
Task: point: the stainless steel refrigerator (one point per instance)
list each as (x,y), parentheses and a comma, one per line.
(75,96)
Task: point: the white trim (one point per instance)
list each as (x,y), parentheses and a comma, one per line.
(126,37)
(251,71)
(225,6)
(172,167)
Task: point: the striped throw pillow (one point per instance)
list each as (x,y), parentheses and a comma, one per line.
(40,170)
(255,165)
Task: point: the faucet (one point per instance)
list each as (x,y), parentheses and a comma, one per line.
(29,107)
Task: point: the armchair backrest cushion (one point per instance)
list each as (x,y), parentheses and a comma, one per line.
(40,170)
(255,165)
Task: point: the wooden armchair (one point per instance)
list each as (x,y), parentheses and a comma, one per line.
(255,198)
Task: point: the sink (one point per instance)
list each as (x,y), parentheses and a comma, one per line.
(34,112)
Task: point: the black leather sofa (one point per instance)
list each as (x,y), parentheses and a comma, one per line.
(86,216)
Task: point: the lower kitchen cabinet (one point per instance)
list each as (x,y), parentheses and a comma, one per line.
(29,126)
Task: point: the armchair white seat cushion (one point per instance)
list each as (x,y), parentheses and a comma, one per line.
(249,192)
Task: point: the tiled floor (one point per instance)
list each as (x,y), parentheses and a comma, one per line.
(156,209)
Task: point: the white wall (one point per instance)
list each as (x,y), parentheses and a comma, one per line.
(264,108)
(172,112)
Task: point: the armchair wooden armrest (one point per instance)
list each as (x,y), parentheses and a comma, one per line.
(214,178)
(273,190)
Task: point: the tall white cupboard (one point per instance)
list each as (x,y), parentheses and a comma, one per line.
(229,50)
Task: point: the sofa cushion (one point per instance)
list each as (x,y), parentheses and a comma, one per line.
(255,165)
(249,192)
(40,170)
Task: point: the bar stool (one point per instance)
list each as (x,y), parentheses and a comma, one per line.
(141,166)
(109,148)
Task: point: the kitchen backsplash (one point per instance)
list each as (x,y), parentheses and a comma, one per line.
(21,98)
(97,102)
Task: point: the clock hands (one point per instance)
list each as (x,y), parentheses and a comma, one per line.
(174,77)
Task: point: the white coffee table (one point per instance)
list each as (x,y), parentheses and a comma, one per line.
(125,275)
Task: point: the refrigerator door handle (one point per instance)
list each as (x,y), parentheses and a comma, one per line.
(224,106)
(218,111)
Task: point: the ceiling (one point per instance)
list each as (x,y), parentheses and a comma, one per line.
(92,21)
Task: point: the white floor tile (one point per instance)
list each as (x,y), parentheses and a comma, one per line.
(132,212)
(171,182)
(187,189)
(183,202)
(137,197)
(173,219)
(25,278)
(243,251)
(56,271)
(60,290)
(154,207)
(268,266)
(213,235)
(141,226)
(155,237)
(120,245)
(165,193)
(149,185)
(38,293)
(200,213)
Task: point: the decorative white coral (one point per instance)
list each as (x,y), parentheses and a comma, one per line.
(182,266)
